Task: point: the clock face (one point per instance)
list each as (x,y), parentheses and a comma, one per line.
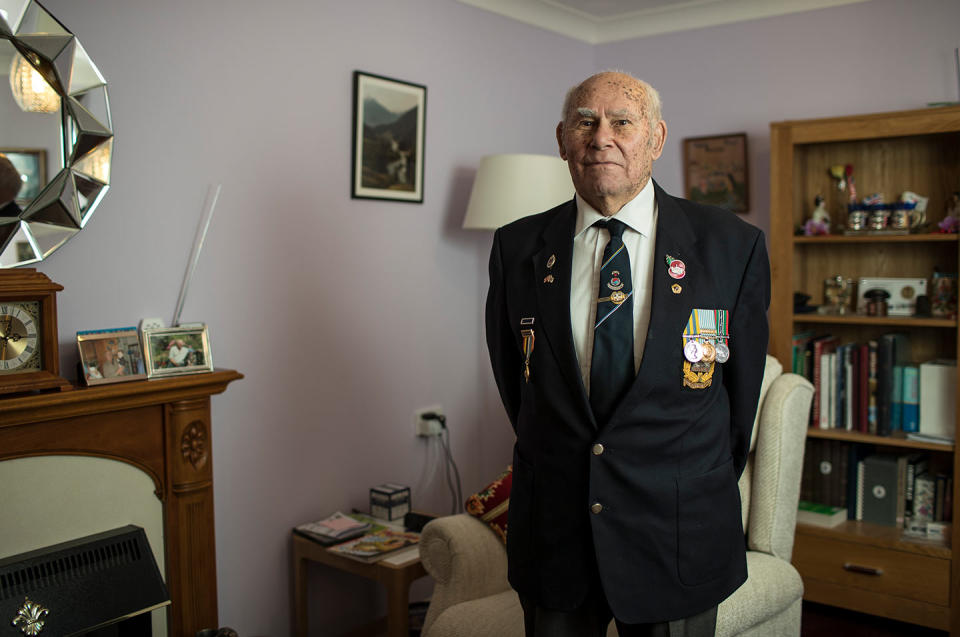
(19,336)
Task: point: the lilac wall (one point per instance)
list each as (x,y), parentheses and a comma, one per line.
(344,315)
(868,57)
(347,315)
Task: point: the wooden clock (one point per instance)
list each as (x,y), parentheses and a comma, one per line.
(29,355)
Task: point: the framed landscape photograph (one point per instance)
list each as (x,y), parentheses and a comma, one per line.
(715,171)
(31,163)
(110,356)
(388,138)
(174,351)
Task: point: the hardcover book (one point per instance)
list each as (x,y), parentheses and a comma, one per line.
(820,514)
(877,489)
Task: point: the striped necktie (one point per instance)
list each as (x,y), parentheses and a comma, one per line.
(612,367)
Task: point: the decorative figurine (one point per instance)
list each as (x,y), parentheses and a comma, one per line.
(951,223)
(819,222)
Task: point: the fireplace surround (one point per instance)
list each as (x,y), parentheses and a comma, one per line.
(163,428)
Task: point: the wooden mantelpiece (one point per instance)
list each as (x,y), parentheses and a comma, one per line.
(163,428)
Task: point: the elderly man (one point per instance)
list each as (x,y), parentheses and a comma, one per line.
(627,332)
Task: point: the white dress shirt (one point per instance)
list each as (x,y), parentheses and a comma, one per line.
(589,241)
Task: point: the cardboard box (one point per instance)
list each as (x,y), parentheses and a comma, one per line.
(938,390)
(389,501)
(903,293)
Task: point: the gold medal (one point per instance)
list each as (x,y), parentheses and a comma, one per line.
(709,352)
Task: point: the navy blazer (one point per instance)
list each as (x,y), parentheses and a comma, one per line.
(669,541)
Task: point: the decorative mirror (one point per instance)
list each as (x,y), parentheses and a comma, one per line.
(53,109)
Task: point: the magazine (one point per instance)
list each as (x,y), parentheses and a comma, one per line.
(377,545)
(333,529)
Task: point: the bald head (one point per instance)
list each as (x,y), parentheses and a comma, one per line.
(10,182)
(643,94)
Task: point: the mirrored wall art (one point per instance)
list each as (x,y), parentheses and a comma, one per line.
(55,116)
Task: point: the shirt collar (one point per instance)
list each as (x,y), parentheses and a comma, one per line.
(636,213)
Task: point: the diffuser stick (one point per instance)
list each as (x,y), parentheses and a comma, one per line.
(211,203)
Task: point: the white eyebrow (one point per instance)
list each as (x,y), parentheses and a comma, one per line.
(587,112)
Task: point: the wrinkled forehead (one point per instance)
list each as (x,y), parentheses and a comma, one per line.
(610,91)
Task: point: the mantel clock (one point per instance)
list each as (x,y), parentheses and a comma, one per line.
(29,356)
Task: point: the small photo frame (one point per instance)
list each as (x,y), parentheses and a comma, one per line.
(388,141)
(31,163)
(110,356)
(715,171)
(174,351)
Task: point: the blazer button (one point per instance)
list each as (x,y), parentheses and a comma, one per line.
(597,449)
(596,507)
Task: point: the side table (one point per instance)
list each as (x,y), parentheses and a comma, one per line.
(396,579)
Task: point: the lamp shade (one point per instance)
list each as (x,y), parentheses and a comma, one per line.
(512,186)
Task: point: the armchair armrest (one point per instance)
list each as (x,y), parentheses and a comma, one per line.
(778,465)
(466,559)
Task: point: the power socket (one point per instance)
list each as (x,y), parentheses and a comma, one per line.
(427,428)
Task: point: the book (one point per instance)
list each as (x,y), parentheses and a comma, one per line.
(893,349)
(863,387)
(827,390)
(850,394)
(335,528)
(916,465)
(896,399)
(877,487)
(798,344)
(375,546)
(820,514)
(938,409)
(911,398)
(820,346)
(872,387)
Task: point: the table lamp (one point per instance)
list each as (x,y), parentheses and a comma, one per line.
(511,186)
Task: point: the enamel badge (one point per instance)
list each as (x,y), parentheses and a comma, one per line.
(676,268)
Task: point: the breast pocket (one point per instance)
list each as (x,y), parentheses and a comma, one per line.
(709,528)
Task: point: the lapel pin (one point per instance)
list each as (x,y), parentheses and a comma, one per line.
(676,268)
(676,288)
(548,278)
(551,261)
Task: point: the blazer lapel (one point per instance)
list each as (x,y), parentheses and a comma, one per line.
(553,295)
(669,309)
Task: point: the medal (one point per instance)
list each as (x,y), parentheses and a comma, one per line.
(676,288)
(551,261)
(723,352)
(693,351)
(709,352)
(528,338)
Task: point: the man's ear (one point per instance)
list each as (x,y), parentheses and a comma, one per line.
(659,138)
(563,150)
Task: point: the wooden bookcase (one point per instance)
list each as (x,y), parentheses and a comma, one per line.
(863,567)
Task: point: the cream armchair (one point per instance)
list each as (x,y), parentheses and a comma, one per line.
(469,562)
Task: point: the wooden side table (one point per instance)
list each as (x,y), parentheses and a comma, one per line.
(396,579)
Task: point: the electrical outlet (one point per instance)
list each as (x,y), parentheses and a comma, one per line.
(427,428)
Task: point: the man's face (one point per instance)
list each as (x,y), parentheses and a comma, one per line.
(607,141)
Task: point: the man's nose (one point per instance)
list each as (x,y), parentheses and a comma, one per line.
(602,135)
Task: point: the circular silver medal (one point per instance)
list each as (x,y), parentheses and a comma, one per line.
(693,351)
(723,352)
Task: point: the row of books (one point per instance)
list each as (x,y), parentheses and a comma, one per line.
(843,481)
(871,387)
(361,537)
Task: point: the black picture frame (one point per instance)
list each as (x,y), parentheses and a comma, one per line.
(389,126)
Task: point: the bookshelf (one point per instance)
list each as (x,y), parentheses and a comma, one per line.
(857,565)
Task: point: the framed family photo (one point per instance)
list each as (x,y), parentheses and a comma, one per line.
(715,171)
(175,351)
(388,138)
(31,163)
(110,356)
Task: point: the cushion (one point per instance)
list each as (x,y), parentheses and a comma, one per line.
(491,502)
